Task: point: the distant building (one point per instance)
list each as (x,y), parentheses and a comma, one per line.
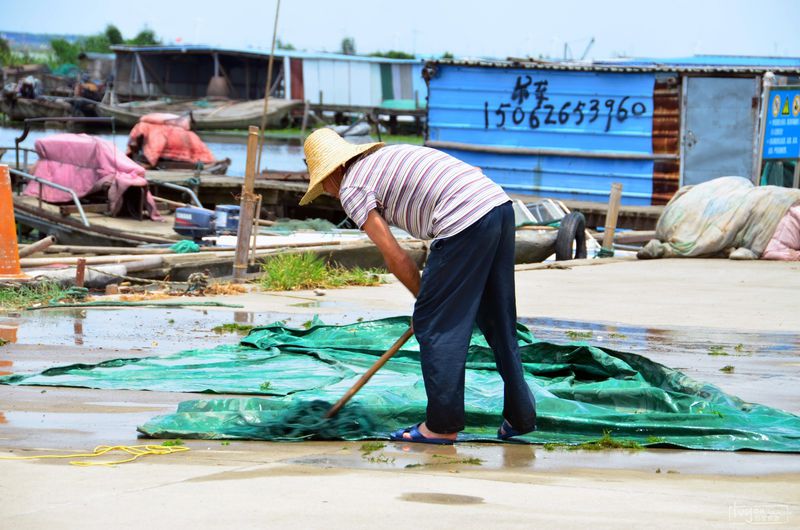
(569,130)
(333,80)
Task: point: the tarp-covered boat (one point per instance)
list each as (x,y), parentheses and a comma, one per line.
(165,141)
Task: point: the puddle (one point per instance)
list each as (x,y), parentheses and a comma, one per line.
(484,457)
(320,304)
(646,341)
(440,498)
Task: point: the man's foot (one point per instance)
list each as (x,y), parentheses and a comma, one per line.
(427,433)
(421,434)
(506,431)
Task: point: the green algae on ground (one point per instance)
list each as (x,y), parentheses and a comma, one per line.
(717,350)
(370,447)
(234,327)
(578,335)
(604,443)
(448,460)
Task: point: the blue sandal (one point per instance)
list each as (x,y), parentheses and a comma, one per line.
(416,436)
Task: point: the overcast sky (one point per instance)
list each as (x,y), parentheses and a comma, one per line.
(498,28)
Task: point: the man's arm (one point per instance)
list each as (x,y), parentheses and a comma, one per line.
(399,262)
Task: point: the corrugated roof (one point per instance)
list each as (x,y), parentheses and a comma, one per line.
(202,48)
(698,64)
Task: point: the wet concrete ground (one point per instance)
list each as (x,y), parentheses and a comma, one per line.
(514,485)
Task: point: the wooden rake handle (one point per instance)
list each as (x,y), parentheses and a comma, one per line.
(369,373)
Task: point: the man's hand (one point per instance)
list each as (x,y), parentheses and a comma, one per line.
(399,262)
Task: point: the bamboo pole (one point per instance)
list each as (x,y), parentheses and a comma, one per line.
(39,246)
(247,208)
(268,87)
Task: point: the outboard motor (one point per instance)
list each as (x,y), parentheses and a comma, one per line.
(196,223)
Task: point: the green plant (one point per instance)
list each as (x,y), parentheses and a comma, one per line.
(172,443)
(392,54)
(617,336)
(225,442)
(728,369)
(289,272)
(266,385)
(739,348)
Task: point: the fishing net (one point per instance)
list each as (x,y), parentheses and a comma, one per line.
(289,376)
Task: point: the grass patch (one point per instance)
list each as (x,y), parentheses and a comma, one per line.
(17,296)
(3,342)
(241,329)
(728,369)
(739,348)
(604,443)
(655,440)
(717,350)
(291,272)
(225,442)
(617,336)
(578,335)
(266,385)
(172,443)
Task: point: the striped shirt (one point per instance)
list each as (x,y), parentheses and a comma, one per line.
(426,192)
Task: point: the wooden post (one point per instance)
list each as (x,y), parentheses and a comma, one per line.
(247,209)
(611,220)
(80,272)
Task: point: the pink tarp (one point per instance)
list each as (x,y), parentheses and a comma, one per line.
(87,165)
(785,242)
(167,136)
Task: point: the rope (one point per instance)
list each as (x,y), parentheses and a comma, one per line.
(136,451)
(116,303)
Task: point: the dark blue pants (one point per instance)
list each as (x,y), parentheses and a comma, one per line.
(468,280)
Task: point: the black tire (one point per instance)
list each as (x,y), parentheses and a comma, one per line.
(573,228)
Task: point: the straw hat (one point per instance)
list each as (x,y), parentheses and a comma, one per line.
(326,151)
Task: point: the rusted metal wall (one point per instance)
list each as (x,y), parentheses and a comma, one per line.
(666,137)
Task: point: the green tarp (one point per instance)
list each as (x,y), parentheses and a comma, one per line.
(581,391)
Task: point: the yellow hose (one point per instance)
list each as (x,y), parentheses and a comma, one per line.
(135,450)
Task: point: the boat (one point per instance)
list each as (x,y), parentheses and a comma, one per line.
(164,141)
(205,114)
(20,109)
